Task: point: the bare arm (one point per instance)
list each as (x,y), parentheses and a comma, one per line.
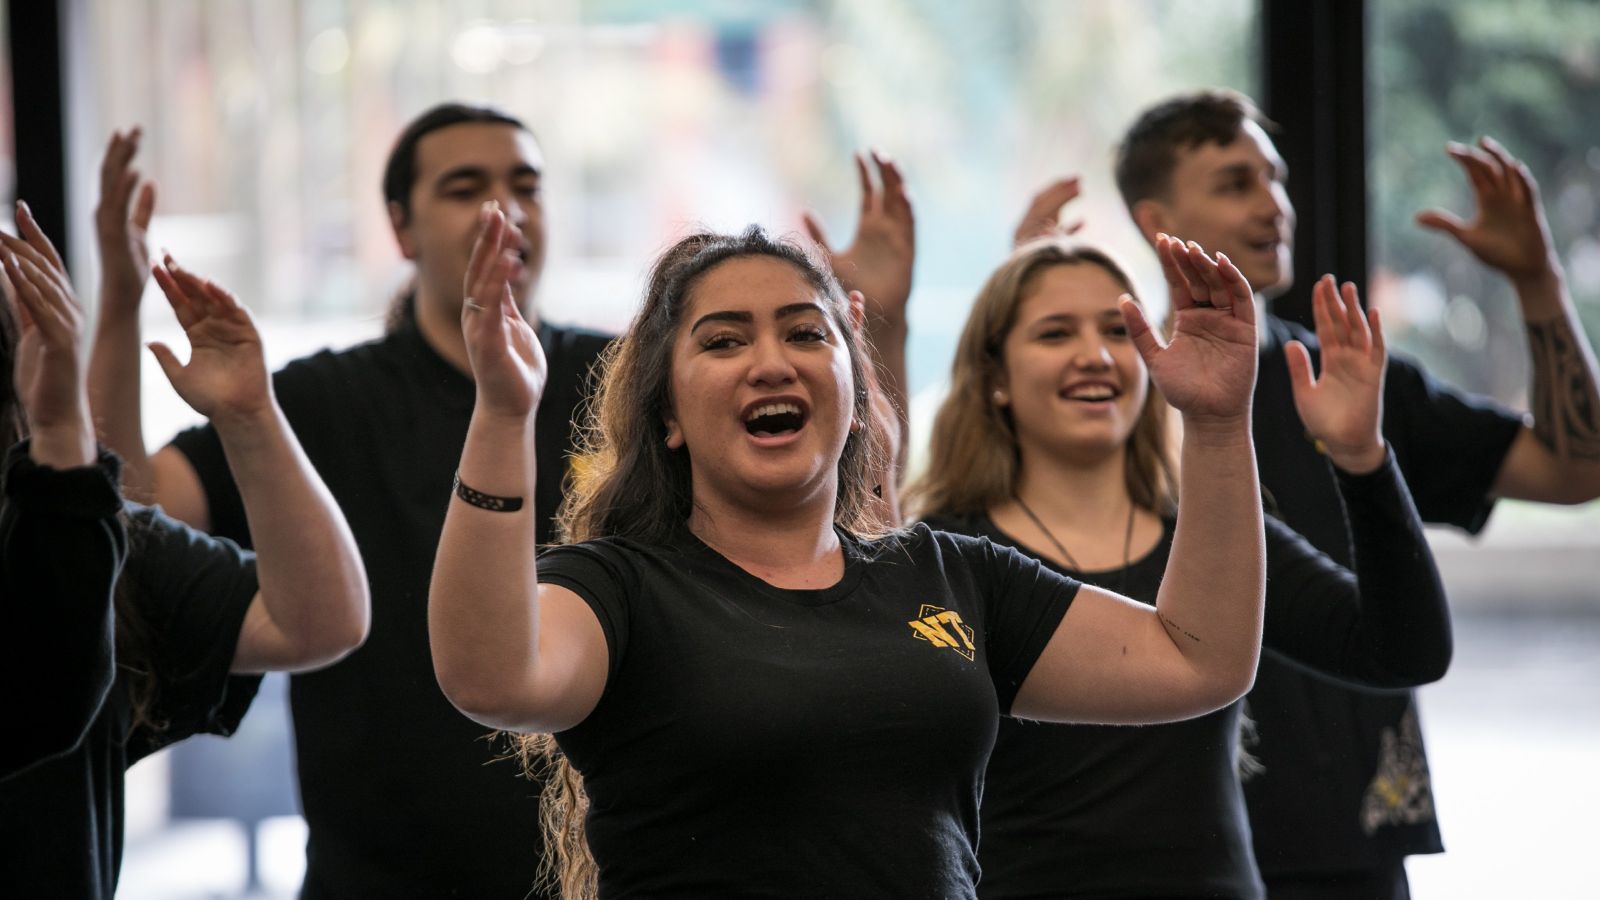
(121,224)
(1557,459)
(1115,660)
(878,264)
(508,652)
(312,607)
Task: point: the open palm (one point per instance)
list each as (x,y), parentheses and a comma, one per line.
(1508,230)
(507,362)
(879,260)
(226,375)
(1207,368)
(1343,407)
(49,349)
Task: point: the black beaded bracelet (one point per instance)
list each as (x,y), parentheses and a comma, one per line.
(485,501)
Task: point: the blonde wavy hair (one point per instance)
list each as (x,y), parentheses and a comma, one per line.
(974,455)
(625,481)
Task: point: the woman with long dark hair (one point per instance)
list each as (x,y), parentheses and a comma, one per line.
(107,669)
(1055,440)
(767,692)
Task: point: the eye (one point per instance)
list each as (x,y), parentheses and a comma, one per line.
(529,191)
(1116,330)
(1052,334)
(720,341)
(808,333)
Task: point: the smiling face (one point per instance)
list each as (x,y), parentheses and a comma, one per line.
(761,386)
(1072,379)
(458,168)
(1231,198)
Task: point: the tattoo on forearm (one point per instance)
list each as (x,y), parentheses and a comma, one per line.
(1566,406)
(1174,626)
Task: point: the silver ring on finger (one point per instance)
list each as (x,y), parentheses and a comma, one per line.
(472,305)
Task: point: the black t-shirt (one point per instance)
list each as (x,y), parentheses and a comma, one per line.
(61,826)
(1346,784)
(760,742)
(402,794)
(1156,811)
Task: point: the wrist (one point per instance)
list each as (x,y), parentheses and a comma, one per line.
(1216,431)
(1544,282)
(1358,460)
(250,425)
(119,303)
(500,422)
(65,446)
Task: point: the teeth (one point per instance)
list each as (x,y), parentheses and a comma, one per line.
(1091,392)
(773,409)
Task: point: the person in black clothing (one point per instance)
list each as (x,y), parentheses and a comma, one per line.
(1051,441)
(1345,795)
(765,692)
(427,815)
(106,667)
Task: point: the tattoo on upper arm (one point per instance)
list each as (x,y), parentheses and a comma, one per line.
(1174,626)
(1566,405)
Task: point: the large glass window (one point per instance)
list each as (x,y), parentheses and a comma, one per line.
(1506,735)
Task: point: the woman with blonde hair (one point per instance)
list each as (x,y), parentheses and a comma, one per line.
(765,693)
(1054,440)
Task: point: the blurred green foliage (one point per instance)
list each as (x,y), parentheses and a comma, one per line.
(1526,72)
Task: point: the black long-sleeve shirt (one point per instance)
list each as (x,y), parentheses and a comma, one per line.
(74,728)
(1114,811)
(62,545)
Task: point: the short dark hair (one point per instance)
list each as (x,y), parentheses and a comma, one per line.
(400,171)
(1149,150)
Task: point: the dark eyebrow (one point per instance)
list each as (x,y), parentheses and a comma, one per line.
(1235,170)
(745,318)
(475,173)
(795,309)
(479,173)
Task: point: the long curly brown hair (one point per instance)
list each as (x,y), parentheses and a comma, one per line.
(626,482)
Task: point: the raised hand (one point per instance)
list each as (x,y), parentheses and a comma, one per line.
(507,361)
(879,259)
(1207,369)
(1043,216)
(226,376)
(49,350)
(1342,409)
(1508,230)
(122,224)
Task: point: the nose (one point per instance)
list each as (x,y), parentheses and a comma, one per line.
(1092,353)
(1275,203)
(769,364)
(516,213)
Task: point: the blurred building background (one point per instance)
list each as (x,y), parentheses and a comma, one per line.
(267,123)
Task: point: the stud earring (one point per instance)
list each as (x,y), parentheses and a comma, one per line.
(1000,397)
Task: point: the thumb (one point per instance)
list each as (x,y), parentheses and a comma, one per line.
(1144,337)
(167,360)
(1442,220)
(814,229)
(1300,377)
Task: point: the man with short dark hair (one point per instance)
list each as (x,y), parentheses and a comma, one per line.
(1345,794)
(402,794)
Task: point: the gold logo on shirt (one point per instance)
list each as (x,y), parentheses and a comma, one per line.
(943,628)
